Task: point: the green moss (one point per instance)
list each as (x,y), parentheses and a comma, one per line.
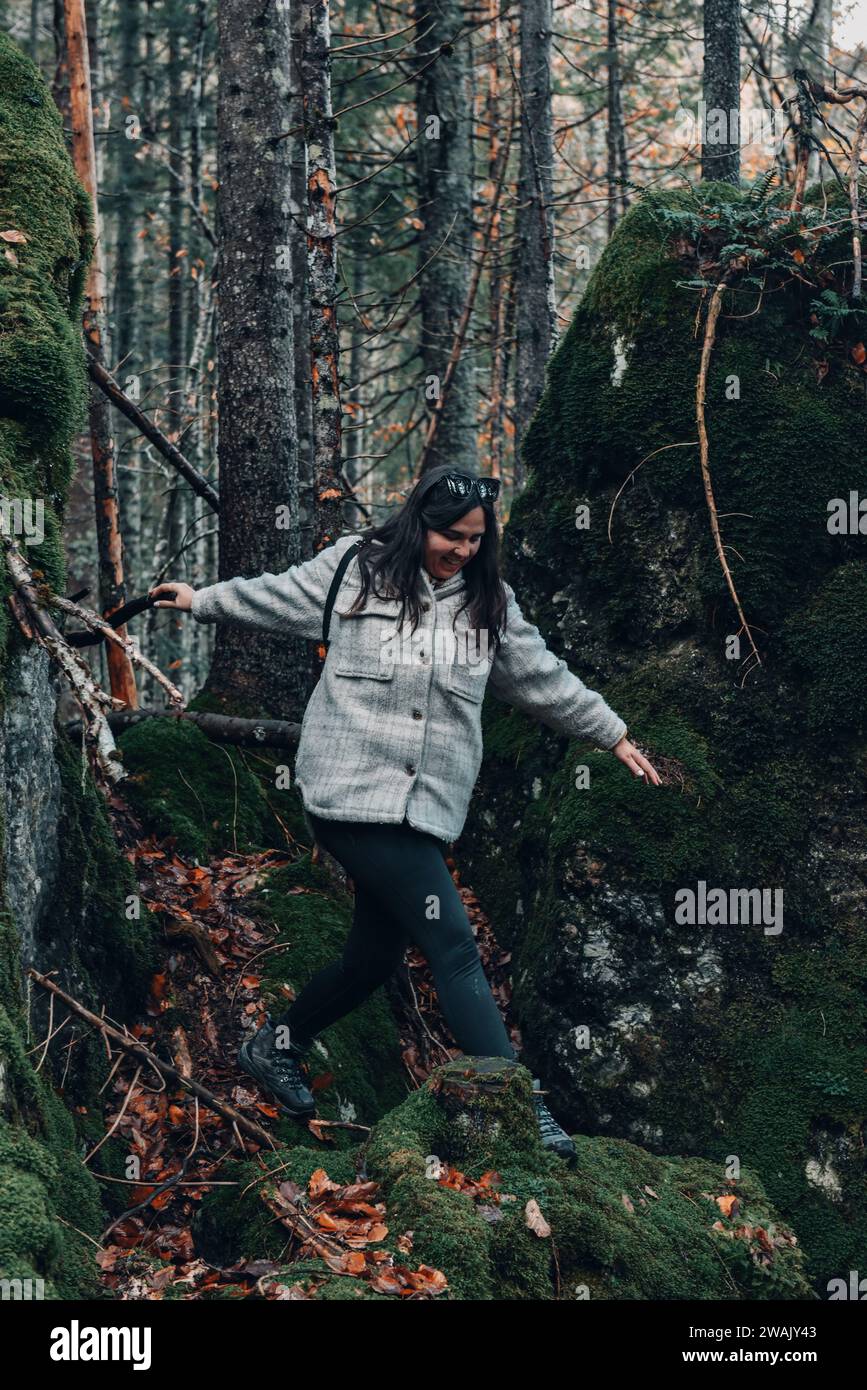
(49,1203)
(208,795)
(825,643)
(42,375)
(763,769)
(42,1181)
(664,1247)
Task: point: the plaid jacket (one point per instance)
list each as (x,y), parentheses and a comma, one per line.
(393,728)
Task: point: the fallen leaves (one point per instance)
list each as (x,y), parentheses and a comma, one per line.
(763,1242)
(338,1223)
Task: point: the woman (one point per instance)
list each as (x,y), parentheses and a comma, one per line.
(391,744)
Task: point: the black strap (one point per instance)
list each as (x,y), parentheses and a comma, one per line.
(345,559)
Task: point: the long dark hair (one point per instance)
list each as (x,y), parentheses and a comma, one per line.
(393,567)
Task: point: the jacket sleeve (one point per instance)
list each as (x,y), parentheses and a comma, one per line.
(292,602)
(526,673)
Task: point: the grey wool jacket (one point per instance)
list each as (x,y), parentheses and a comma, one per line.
(393,727)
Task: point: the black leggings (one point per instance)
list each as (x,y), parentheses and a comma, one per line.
(398,871)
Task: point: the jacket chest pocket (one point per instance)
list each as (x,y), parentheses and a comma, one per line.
(468,677)
(468,672)
(468,681)
(363,648)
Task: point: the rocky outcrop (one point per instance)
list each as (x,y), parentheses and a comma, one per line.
(62,879)
(727,1039)
(467,1196)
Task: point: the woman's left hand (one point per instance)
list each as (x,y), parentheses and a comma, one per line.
(636,762)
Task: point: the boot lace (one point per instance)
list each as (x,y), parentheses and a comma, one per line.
(287,1066)
(547,1124)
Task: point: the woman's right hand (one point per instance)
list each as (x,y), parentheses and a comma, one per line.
(183,596)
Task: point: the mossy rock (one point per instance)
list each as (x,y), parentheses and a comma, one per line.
(43,384)
(49,1203)
(700,1038)
(209,796)
(620,1224)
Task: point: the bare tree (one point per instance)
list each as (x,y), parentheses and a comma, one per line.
(720,151)
(535,310)
(257,446)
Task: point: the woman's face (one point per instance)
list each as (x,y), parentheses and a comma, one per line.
(445,552)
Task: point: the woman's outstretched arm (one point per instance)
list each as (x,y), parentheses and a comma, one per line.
(290,602)
(526,673)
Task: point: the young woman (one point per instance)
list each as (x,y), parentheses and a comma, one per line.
(391,744)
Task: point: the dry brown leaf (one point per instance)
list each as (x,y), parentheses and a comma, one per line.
(535,1220)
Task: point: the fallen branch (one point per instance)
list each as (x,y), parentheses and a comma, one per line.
(169,451)
(227,728)
(138,1049)
(92,700)
(700,395)
(98,624)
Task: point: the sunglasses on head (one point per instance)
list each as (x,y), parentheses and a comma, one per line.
(461,485)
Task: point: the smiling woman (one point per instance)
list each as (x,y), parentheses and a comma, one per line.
(390,749)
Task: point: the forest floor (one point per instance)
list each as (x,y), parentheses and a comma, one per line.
(176,1146)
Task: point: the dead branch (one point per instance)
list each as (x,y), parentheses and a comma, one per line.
(98,624)
(700,395)
(92,700)
(245,733)
(142,422)
(138,1049)
(854,167)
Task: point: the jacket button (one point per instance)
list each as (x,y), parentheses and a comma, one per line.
(417,714)
(425,608)
(410,767)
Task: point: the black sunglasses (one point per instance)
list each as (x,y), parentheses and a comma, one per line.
(461,484)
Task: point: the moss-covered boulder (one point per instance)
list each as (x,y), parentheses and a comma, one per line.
(737,1042)
(209,796)
(468,1190)
(64,886)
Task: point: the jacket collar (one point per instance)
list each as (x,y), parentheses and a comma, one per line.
(451,586)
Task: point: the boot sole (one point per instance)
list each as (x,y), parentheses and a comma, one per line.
(250,1068)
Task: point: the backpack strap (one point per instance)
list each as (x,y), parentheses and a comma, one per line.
(345,560)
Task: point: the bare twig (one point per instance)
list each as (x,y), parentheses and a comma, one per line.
(137,1049)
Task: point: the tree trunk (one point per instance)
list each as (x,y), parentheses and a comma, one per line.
(256,417)
(127,276)
(321,271)
(535,307)
(443,165)
(301,320)
(720,150)
(110,545)
(618,201)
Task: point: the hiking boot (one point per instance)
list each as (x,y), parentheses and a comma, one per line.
(278,1068)
(553,1137)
